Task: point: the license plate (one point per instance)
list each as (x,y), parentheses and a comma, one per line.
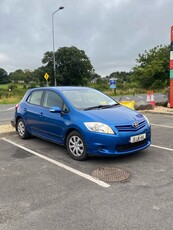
(137,138)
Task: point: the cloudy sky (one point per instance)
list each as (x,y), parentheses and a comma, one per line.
(111,32)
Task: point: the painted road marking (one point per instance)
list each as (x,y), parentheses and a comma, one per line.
(7,109)
(165,126)
(160,147)
(86,176)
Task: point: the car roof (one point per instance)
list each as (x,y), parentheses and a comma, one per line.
(62,88)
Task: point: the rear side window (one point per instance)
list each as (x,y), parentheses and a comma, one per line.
(52,99)
(35,97)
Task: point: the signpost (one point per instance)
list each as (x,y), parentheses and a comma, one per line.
(112,83)
(46,76)
(171,70)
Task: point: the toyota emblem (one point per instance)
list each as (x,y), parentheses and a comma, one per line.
(135,125)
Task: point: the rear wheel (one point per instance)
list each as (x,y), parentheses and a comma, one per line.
(76,146)
(22,130)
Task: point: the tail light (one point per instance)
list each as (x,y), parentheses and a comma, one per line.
(17,106)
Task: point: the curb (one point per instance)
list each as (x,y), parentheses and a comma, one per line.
(154,112)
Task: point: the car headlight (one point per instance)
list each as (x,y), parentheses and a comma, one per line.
(146,119)
(98,127)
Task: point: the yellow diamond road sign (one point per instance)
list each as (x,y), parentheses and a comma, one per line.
(46,76)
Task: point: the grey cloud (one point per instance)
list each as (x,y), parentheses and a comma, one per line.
(112,33)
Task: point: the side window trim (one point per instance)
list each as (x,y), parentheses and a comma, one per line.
(44,98)
(28,100)
(64,106)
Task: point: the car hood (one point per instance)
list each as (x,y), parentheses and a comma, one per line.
(117,115)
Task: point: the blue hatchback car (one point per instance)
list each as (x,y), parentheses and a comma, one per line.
(84,120)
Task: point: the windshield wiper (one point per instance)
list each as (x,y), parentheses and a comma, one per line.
(101,107)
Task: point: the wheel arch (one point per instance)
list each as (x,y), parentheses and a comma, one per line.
(67,133)
(17,118)
(71,129)
(78,147)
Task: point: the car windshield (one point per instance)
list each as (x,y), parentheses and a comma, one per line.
(87,99)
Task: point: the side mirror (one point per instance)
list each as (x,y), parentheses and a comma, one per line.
(55,109)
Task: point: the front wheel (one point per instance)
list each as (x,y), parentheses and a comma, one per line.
(22,130)
(76,146)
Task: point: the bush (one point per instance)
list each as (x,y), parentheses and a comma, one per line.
(102,87)
(32,85)
(12,87)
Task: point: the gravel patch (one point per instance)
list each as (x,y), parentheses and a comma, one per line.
(6,128)
(160,110)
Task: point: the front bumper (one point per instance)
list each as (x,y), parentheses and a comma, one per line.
(118,144)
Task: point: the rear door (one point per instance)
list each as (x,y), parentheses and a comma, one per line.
(32,111)
(53,125)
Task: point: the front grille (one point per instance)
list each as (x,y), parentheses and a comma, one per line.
(131,146)
(130,128)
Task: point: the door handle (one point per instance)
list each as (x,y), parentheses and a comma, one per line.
(41,114)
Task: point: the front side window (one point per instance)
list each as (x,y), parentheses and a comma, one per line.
(35,97)
(52,99)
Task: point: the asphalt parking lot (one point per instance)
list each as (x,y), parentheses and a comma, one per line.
(6,113)
(43,188)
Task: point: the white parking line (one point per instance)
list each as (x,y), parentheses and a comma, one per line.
(86,176)
(160,147)
(165,126)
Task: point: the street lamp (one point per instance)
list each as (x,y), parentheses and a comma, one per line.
(54,67)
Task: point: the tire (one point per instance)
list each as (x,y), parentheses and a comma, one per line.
(22,130)
(76,146)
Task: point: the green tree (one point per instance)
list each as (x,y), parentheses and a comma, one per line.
(73,67)
(28,77)
(22,76)
(3,76)
(17,76)
(152,70)
(38,75)
(121,76)
(48,68)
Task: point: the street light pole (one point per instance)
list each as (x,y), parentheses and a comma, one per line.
(54,66)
